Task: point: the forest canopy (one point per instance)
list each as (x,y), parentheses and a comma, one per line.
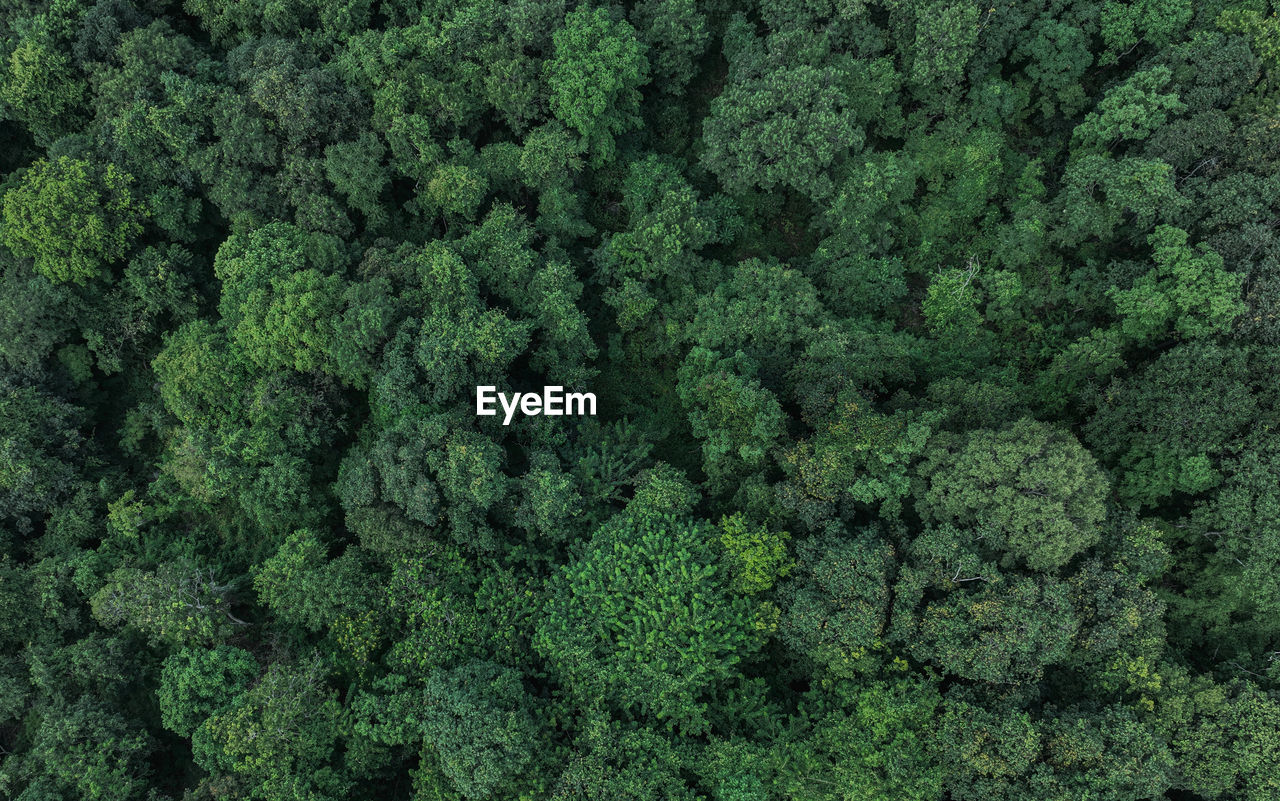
(935,344)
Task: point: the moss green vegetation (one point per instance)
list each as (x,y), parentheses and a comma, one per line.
(936,346)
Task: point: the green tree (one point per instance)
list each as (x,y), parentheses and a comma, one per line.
(1130,111)
(836,606)
(41,87)
(41,451)
(1164,428)
(357,170)
(303,588)
(71,219)
(676,35)
(1104,753)
(755,556)
(985,744)
(1125,25)
(1230,598)
(180,603)
(1206,724)
(81,748)
(610,760)
(480,722)
(945,37)
(197,682)
(778,125)
(737,419)
(961,613)
(642,618)
(856,454)
(871,740)
(1004,632)
(281,297)
(594,75)
(1033,491)
(1102,194)
(277,736)
(1188,291)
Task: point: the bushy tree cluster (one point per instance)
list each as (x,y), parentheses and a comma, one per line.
(935,346)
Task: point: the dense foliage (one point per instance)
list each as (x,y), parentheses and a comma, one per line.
(936,348)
